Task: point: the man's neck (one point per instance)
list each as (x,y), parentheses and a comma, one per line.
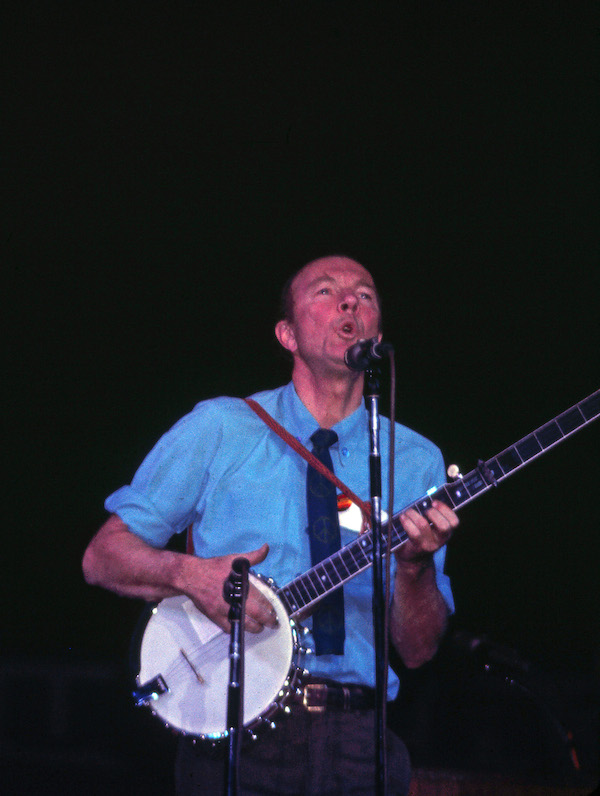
(329,399)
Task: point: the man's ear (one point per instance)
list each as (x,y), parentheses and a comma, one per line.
(285,334)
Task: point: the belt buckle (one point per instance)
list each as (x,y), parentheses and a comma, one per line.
(318,693)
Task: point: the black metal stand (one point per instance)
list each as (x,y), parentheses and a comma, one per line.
(235,590)
(372,402)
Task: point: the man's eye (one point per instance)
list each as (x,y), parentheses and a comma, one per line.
(367,296)
(323,290)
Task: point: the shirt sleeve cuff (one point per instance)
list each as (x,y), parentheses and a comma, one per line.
(140,516)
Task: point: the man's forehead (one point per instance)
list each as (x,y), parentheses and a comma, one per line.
(330,268)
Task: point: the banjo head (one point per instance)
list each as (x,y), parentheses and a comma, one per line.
(191,655)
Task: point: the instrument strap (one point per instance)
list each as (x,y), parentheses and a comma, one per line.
(310,458)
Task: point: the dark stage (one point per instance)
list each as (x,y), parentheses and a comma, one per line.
(166,168)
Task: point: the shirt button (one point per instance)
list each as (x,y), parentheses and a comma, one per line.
(345,452)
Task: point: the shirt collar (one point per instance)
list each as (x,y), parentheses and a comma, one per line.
(299,421)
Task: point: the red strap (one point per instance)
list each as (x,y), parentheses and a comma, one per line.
(308,456)
(189,542)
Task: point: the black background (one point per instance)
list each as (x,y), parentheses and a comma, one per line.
(168,165)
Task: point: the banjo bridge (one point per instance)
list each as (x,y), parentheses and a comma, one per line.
(197,674)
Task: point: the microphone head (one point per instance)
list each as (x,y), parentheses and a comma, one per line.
(357,356)
(239,565)
(364,353)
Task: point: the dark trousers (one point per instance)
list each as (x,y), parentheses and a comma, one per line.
(308,754)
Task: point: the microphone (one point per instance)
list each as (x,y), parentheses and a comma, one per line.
(365,353)
(236,584)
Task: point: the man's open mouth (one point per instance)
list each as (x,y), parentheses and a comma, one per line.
(348,328)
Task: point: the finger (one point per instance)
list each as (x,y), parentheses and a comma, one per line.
(446,512)
(438,523)
(416,528)
(260,620)
(260,609)
(257,556)
(413,523)
(423,535)
(253,625)
(442,521)
(259,614)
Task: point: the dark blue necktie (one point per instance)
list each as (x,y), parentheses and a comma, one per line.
(324,532)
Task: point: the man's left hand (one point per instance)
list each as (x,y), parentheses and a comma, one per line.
(426,534)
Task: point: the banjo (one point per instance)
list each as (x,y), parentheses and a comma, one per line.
(184,657)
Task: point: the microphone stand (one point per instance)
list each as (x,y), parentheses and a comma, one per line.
(235,590)
(372,401)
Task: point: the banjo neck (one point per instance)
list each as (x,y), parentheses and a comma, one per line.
(307,589)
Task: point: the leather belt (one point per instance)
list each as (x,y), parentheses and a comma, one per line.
(319,696)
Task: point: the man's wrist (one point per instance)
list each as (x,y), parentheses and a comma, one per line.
(182,572)
(414,568)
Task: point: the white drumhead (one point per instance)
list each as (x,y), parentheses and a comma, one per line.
(198,677)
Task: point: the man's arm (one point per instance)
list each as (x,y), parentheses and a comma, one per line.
(122,562)
(419,613)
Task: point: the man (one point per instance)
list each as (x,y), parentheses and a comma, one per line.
(242,489)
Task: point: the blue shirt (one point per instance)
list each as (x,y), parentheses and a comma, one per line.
(223,472)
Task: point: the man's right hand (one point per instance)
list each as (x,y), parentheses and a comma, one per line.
(203,579)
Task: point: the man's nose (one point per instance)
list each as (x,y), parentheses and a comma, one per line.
(348,302)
